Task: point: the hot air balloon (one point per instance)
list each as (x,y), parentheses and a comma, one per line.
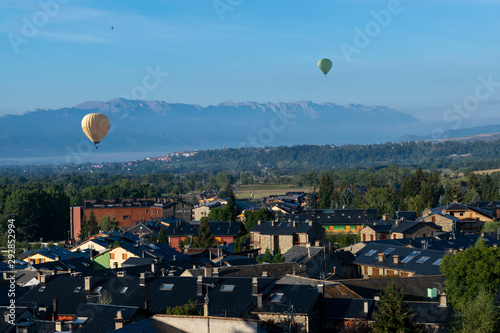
(325,65)
(96,126)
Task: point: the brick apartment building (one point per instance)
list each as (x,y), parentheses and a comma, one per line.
(127,212)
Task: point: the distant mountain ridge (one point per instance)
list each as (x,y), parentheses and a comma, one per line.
(139,126)
(479,133)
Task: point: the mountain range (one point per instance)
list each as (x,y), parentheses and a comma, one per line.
(158,126)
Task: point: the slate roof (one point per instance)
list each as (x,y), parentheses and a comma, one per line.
(369,256)
(459,207)
(404,226)
(273,270)
(300,254)
(414,288)
(301,305)
(80,264)
(49,252)
(140,228)
(407,215)
(337,216)
(158,250)
(219,229)
(101,318)
(233,303)
(345,308)
(283,228)
(431,313)
(234,260)
(331,289)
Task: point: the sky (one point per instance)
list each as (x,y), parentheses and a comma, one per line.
(438,60)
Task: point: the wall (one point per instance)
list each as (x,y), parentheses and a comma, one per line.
(445,223)
(200,212)
(103,260)
(196,324)
(75,214)
(119,252)
(125,216)
(282,321)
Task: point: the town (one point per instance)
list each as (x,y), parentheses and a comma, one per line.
(278,264)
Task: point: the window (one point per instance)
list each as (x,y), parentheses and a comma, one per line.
(389,250)
(410,256)
(370,253)
(42,289)
(124,290)
(85,264)
(59,268)
(98,289)
(276,297)
(124,256)
(111,256)
(167,286)
(422,260)
(437,262)
(71,266)
(227,287)
(77,289)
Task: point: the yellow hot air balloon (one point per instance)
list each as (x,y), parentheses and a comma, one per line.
(325,65)
(96,126)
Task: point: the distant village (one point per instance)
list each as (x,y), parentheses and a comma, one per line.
(284,274)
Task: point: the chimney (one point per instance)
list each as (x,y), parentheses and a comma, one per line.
(119,320)
(272,223)
(88,283)
(54,309)
(385,217)
(293,271)
(396,258)
(365,306)
(70,326)
(205,309)
(216,272)
(381,257)
(264,274)
(153,267)
(294,224)
(316,243)
(255,286)
(58,325)
(310,223)
(207,271)
(259,222)
(443,300)
(142,280)
(376,297)
(199,286)
(41,278)
(259,301)
(146,305)
(321,288)
(308,250)
(174,257)
(171,273)
(58,258)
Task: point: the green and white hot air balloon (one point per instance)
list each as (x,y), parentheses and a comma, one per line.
(325,65)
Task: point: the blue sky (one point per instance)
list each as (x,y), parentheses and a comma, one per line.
(423,59)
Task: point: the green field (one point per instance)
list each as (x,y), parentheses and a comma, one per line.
(259,190)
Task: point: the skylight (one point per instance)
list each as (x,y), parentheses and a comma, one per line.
(422,260)
(77,289)
(42,288)
(437,262)
(410,256)
(389,250)
(71,266)
(98,289)
(276,297)
(167,286)
(59,268)
(124,290)
(370,253)
(227,287)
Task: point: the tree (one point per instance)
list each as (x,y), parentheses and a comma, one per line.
(481,315)
(393,314)
(325,191)
(278,257)
(266,257)
(346,198)
(189,309)
(205,238)
(252,217)
(153,239)
(162,235)
(469,271)
(106,223)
